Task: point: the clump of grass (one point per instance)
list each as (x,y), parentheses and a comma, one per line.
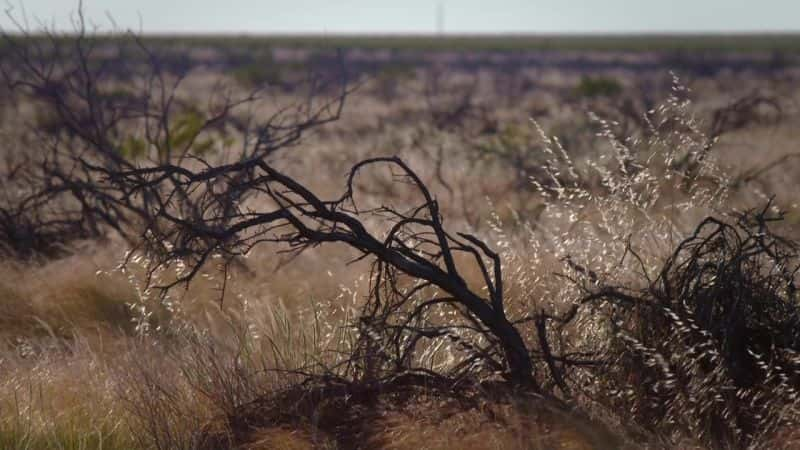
(37,426)
(60,399)
(164,410)
(63,296)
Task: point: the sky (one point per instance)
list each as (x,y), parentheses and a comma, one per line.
(416,16)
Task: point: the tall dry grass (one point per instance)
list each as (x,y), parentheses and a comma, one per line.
(90,359)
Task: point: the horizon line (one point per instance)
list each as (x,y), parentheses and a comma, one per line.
(430,34)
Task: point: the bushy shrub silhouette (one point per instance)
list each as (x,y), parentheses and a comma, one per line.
(709,348)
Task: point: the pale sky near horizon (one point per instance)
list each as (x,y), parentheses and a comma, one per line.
(419,16)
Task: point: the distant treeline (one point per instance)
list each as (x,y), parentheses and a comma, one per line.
(275,58)
(728,42)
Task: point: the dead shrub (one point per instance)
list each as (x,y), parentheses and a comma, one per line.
(708,349)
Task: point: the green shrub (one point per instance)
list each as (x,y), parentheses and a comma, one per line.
(258,73)
(598,87)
